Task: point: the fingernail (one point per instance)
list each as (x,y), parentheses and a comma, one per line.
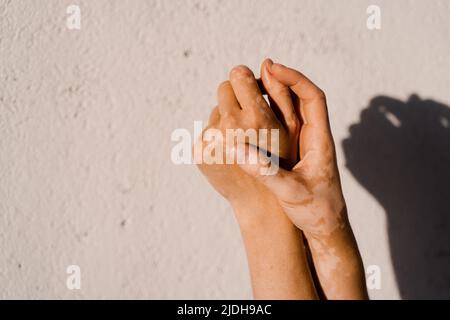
(269,64)
(279,65)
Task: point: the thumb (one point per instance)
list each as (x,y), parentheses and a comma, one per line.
(257,164)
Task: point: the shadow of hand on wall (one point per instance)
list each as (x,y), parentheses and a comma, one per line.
(400,152)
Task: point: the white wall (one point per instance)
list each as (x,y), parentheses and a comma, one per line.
(86,117)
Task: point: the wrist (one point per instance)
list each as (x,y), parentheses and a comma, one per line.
(258,213)
(330,219)
(340,238)
(249,216)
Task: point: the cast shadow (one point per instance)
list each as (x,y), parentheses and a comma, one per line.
(400,152)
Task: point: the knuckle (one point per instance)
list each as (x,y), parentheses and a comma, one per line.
(292,123)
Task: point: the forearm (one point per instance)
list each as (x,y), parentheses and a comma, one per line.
(338,264)
(276,253)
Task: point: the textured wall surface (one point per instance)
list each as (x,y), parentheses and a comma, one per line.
(86,117)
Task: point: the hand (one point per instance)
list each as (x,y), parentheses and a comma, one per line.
(241,106)
(310,193)
(276,255)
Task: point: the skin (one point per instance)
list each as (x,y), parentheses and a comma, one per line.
(311,194)
(306,192)
(275,250)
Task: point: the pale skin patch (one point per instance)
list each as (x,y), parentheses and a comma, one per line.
(340,271)
(330,265)
(314,219)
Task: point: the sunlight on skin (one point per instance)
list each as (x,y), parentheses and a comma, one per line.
(308,192)
(276,254)
(311,195)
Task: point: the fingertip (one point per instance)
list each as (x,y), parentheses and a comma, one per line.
(289,76)
(277,69)
(223,87)
(278,66)
(268,64)
(239,72)
(266,75)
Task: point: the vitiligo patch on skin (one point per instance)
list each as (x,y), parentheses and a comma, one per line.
(329,268)
(314,220)
(318,209)
(328,256)
(332,266)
